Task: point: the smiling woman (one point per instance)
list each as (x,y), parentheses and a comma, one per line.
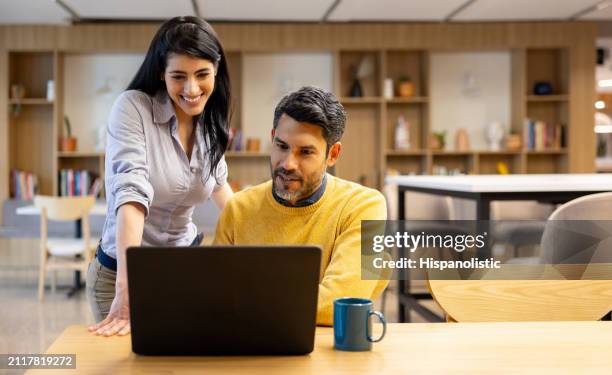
(167,134)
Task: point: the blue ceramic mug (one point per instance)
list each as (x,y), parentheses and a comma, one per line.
(352,328)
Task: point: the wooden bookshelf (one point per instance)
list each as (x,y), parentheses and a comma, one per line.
(556,52)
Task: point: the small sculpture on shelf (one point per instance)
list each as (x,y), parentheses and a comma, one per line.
(68,143)
(494,134)
(363,71)
(402,134)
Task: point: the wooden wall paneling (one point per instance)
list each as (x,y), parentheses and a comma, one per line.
(518,105)
(350,61)
(32,148)
(4,127)
(106,38)
(234,61)
(358,159)
(382,128)
(426,126)
(544,163)
(58,109)
(580,134)
(406,164)
(544,65)
(463,162)
(407,63)
(488,162)
(32,70)
(30,38)
(248,170)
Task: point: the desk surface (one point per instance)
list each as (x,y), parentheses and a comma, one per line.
(509,183)
(430,348)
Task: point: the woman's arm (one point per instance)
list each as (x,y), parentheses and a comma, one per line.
(130,226)
(222,196)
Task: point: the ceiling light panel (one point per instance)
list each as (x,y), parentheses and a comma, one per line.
(131,9)
(264,10)
(523,10)
(32,12)
(394,10)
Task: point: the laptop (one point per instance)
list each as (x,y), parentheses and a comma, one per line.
(223,300)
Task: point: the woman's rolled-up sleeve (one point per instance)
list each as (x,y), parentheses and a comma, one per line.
(220,174)
(127,155)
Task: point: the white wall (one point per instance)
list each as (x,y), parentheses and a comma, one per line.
(469,90)
(268,77)
(92,82)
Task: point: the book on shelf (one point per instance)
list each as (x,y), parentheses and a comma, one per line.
(75,183)
(235,140)
(541,135)
(24,185)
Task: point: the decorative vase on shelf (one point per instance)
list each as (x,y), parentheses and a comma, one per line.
(356,90)
(513,142)
(462,140)
(405,87)
(68,143)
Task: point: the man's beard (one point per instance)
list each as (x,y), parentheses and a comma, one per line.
(308,185)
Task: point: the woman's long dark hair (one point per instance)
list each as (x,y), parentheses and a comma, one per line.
(191,36)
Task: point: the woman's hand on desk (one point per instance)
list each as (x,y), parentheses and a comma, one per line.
(118,320)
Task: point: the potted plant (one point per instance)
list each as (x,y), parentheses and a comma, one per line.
(68,143)
(438,140)
(405,87)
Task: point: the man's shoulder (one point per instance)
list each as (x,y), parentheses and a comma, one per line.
(252,193)
(353,190)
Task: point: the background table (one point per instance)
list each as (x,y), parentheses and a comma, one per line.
(484,189)
(429,348)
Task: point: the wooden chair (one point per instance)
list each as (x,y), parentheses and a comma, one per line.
(587,295)
(63,253)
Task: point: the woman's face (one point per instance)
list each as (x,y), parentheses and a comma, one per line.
(190,82)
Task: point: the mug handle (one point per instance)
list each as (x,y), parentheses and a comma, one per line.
(380,317)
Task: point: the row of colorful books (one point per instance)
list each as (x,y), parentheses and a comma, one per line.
(79,183)
(541,135)
(24,185)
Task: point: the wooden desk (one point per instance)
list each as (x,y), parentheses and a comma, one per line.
(429,348)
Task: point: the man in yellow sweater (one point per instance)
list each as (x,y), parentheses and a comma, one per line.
(303,205)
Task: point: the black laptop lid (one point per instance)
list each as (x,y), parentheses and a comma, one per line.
(223,300)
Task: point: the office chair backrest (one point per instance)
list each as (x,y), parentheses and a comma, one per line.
(579,232)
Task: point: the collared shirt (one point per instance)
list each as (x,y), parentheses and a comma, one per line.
(306,201)
(145,163)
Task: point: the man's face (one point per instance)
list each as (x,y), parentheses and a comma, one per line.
(298,160)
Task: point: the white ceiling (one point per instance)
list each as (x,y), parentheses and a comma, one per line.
(509,10)
(394,10)
(130,9)
(264,10)
(50,12)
